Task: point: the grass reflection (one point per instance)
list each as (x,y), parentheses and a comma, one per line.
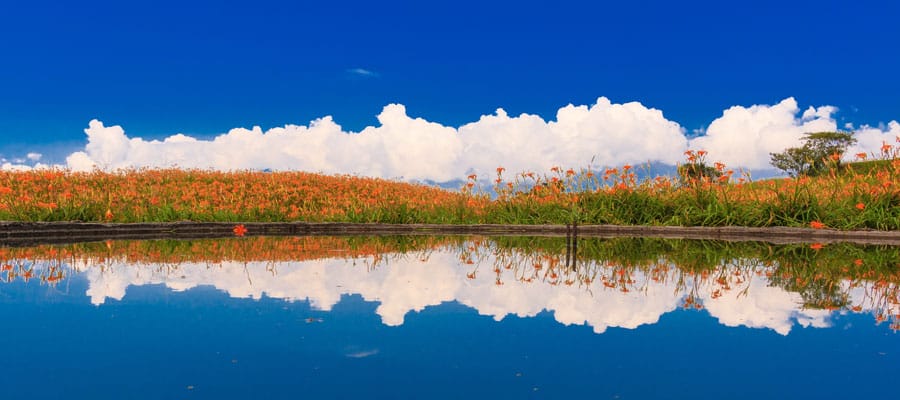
(838,277)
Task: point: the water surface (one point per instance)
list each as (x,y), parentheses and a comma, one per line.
(448,317)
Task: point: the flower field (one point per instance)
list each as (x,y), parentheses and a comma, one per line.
(195,195)
(843,199)
(850,198)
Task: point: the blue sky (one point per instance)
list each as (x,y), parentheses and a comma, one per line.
(206,67)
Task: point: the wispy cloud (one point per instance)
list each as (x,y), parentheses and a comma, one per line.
(363,72)
(363,354)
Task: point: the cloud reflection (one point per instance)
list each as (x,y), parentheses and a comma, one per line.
(496,285)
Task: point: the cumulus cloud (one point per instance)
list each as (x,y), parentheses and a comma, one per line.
(8,166)
(405,147)
(745,136)
(870,139)
(410,148)
(27,163)
(611,134)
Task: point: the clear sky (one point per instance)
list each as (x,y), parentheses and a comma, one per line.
(201,68)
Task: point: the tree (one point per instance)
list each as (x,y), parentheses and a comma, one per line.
(697,172)
(821,151)
(795,161)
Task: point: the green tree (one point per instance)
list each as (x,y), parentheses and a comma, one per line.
(696,172)
(821,152)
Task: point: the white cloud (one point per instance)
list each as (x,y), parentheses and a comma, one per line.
(8,166)
(19,166)
(612,134)
(870,139)
(410,148)
(745,136)
(406,147)
(34,156)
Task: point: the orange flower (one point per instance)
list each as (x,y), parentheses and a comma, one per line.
(860,206)
(816,246)
(240,230)
(858,262)
(108,215)
(816,225)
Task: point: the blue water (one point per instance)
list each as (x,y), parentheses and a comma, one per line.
(159,343)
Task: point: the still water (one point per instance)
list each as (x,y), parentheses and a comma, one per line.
(448,317)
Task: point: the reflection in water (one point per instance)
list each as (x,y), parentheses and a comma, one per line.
(611,283)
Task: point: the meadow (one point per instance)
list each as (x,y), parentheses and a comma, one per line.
(861,196)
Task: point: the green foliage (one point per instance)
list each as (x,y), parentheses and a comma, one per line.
(795,161)
(696,172)
(820,153)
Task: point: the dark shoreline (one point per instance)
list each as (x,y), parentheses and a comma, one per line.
(29,233)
